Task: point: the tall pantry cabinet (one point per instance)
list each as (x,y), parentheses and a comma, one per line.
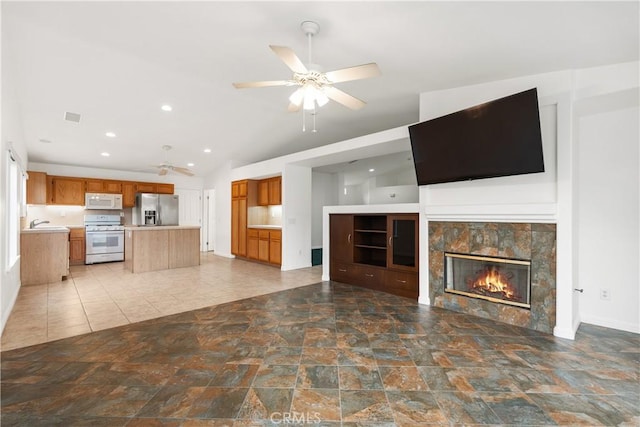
(244,194)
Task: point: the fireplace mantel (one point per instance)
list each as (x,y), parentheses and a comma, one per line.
(525,212)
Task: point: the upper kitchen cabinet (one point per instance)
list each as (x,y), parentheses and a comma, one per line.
(164,188)
(113,187)
(263,192)
(128,194)
(66,191)
(146,187)
(239,188)
(37,188)
(269,191)
(275,193)
(104,186)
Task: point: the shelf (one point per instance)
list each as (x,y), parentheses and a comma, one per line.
(372,231)
(384,248)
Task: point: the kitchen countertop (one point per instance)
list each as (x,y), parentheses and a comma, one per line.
(160,227)
(45,229)
(268,227)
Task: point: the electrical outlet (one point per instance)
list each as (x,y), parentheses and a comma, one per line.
(605,294)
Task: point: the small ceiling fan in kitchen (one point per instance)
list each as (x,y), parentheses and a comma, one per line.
(315,87)
(166,167)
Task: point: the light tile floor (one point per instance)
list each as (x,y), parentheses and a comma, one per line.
(102,296)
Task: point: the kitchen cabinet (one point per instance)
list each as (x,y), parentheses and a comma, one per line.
(269,191)
(44,256)
(377,251)
(275,247)
(103,186)
(77,248)
(275,193)
(66,190)
(112,187)
(252,243)
(239,190)
(94,186)
(263,192)
(146,187)
(263,245)
(164,188)
(37,188)
(128,194)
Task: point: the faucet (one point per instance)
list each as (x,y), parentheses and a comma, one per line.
(35,223)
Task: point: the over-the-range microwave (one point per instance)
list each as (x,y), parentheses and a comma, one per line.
(102,201)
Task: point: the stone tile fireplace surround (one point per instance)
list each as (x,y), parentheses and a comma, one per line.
(532,241)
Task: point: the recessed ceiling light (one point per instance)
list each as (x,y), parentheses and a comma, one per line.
(105,154)
(110,134)
(191,164)
(207,150)
(372,170)
(166,107)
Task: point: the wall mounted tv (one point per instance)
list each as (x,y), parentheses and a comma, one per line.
(498,138)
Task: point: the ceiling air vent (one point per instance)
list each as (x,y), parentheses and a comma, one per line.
(72,117)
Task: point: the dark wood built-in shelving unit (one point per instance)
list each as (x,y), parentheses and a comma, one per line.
(377,251)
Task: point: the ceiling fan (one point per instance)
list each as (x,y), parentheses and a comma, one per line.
(165,166)
(316,87)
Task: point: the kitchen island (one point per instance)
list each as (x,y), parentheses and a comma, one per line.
(161,247)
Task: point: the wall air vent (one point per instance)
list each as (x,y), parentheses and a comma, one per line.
(72,117)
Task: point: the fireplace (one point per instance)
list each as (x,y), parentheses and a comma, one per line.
(497,240)
(500,280)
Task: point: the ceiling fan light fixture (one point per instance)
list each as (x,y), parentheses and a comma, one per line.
(297,97)
(321,98)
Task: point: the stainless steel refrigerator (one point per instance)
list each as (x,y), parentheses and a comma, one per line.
(156,209)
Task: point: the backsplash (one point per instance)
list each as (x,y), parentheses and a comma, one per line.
(265,215)
(64,215)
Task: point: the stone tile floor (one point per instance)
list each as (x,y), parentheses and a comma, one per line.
(324,354)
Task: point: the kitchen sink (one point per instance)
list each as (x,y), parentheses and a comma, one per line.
(49,228)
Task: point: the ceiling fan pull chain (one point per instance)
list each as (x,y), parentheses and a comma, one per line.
(304,129)
(313,113)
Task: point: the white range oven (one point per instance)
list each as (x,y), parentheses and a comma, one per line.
(104,238)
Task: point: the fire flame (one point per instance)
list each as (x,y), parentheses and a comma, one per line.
(491,280)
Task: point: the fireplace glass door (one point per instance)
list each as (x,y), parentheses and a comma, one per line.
(505,281)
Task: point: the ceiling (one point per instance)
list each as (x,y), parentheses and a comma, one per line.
(116,63)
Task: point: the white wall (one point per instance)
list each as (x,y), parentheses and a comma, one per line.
(608,219)
(324,188)
(11,131)
(296,217)
(220,181)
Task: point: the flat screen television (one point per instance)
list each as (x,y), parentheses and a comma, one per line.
(498,138)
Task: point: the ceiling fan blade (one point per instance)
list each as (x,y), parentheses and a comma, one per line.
(183,171)
(263,84)
(163,171)
(343,98)
(289,57)
(358,72)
